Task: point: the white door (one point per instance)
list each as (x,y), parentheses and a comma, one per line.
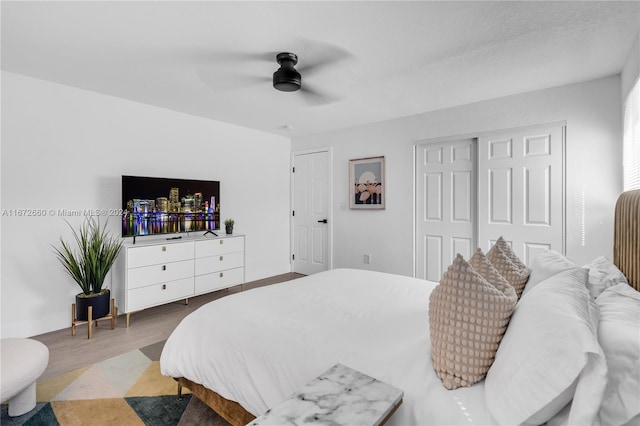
(521,190)
(445,205)
(310,215)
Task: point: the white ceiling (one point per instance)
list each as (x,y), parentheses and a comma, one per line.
(215,59)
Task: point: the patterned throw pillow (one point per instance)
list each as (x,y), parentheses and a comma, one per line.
(483,266)
(468,316)
(516,276)
(506,249)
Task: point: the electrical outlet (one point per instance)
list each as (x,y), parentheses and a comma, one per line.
(367,258)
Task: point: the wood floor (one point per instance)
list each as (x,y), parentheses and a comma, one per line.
(68,353)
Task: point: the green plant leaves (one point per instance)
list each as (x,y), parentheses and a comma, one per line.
(95,252)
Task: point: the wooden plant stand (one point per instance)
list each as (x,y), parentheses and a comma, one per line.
(74,321)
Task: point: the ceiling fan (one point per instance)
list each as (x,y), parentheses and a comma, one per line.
(312,57)
(289,79)
(286,78)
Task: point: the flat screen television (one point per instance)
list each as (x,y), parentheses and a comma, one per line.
(154,206)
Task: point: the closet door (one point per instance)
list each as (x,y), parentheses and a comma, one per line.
(521,190)
(445,205)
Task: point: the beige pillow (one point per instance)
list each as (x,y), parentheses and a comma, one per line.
(483,266)
(516,276)
(468,316)
(506,249)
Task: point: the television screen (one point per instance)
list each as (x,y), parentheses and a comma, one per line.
(153,206)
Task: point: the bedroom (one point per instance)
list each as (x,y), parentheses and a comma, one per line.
(122,133)
(54,134)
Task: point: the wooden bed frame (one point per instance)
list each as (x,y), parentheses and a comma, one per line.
(229,410)
(626,256)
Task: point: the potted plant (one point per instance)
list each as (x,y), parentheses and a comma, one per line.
(88,263)
(228,224)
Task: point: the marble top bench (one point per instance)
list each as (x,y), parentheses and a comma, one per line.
(339,396)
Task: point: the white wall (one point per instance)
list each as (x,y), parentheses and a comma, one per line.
(631,69)
(65,148)
(592,111)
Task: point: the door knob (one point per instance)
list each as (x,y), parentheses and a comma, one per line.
(322,221)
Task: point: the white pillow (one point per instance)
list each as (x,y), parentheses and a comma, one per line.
(545,265)
(619,336)
(549,355)
(602,274)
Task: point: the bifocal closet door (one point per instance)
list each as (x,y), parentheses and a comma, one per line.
(445,205)
(521,190)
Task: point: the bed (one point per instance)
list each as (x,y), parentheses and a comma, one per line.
(570,353)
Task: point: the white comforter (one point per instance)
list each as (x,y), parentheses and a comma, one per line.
(257,347)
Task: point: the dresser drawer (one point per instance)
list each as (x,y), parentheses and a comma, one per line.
(158,254)
(219,246)
(218,280)
(157,274)
(207,265)
(157,294)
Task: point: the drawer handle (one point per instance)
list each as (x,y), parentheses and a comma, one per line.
(164,286)
(221,274)
(221,241)
(164,248)
(221,258)
(164,267)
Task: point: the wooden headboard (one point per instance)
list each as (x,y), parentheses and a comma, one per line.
(626,236)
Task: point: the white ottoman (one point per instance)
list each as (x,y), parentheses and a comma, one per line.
(22,361)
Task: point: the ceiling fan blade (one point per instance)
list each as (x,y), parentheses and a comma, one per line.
(323,56)
(228,81)
(313,96)
(229,56)
(206,55)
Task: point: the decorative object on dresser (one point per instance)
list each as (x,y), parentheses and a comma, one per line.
(88,264)
(156,272)
(228,224)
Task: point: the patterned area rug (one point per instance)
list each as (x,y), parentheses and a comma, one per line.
(124,390)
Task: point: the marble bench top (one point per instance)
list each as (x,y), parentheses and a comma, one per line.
(339,396)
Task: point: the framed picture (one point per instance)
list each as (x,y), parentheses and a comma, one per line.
(366,181)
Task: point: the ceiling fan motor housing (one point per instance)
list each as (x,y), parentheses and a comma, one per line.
(286,78)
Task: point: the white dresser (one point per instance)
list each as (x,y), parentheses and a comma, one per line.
(151,273)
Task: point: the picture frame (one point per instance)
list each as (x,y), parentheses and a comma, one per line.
(367,183)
